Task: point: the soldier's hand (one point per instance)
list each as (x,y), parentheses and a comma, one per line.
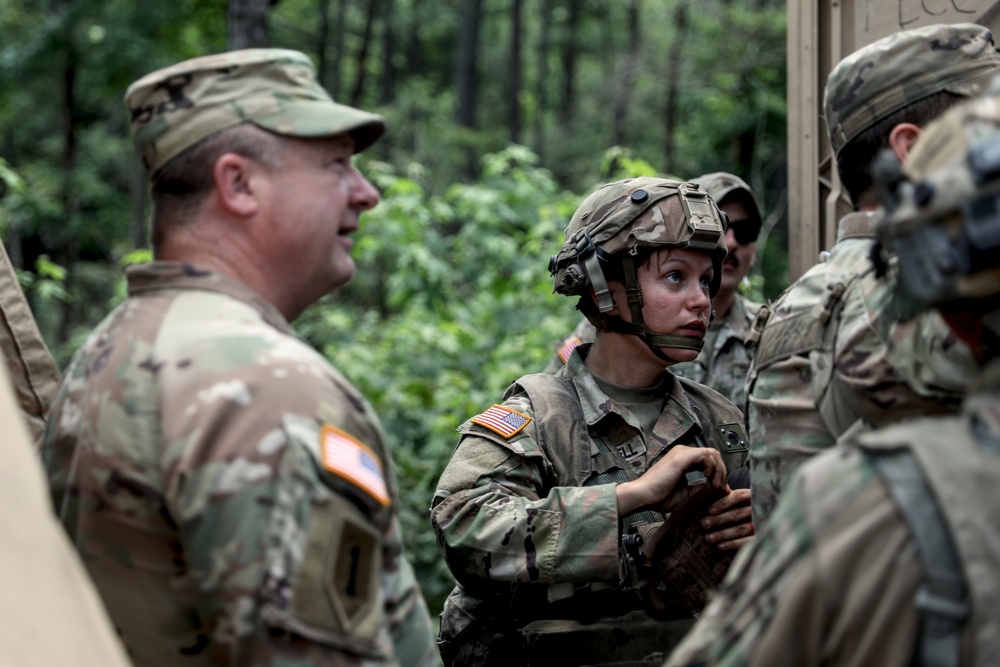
(663,486)
(728,522)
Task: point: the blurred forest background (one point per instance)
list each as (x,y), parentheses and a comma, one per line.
(503,115)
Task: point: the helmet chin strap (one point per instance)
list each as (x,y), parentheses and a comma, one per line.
(637,327)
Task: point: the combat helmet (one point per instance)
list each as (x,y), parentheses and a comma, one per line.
(941,231)
(617,220)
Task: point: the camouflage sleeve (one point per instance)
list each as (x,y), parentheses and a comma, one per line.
(829,580)
(406,612)
(500,515)
(912,366)
(271,512)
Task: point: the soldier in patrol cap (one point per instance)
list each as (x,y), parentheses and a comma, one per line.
(724,361)
(534,510)
(231,493)
(885,550)
(834,353)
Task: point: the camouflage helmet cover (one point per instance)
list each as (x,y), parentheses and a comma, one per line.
(622,216)
(174,108)
(883,77)
(943,221)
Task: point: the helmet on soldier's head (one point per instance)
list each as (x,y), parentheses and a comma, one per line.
(615,222)
(887,75)
(942,223)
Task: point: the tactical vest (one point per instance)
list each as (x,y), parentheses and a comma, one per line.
(807,328)
(550,625)
(942,474)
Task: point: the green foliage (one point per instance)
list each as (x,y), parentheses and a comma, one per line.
(451,303)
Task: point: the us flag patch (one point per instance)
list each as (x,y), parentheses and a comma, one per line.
(568,347)
(347,457)
(503,421)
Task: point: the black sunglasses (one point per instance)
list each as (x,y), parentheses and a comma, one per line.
(745,231)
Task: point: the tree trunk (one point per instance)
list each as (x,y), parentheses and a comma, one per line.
(246,26)
(414,48)
(388,83)
(625,82)
(362,60)
(466,75)
(568,101)
(339,36)
(323,9)
(69,118)
(541,85)
(466,61)
(673,83)
(514,83)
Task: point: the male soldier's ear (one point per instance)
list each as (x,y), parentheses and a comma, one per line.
(236,185)
(901,139)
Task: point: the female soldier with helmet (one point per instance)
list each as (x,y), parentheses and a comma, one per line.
(534,511)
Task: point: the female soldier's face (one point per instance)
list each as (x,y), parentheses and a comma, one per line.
(675,284)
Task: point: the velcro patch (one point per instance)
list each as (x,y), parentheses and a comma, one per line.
(568,347)
(347,457)
(503,421)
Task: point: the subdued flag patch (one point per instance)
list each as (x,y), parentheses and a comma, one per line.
(347,457)
(568,347)
(503,421)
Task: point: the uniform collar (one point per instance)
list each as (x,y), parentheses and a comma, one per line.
(597,405)
(146,279)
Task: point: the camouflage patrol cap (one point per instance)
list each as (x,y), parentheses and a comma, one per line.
(885,76)
(276,89)
(622,216)
(943,221)
(720,185)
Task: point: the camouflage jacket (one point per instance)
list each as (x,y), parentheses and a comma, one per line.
(537,508)
(835,353)
(216,474)
(722,364)
(832,579)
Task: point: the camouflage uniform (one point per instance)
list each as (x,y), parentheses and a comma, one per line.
(191,452)
(849,569)
(835,351)
(832,578)
(527,511)
(31,369)
(722,364)
(231,494)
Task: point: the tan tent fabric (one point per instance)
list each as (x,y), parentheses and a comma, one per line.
(50,614)
(33,373)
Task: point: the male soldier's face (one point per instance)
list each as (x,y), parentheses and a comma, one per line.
(741,256)
(318,197)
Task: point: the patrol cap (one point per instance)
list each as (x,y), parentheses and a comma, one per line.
(943,207)
(721,185)
(891,73)
(624,215)
(276,89)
